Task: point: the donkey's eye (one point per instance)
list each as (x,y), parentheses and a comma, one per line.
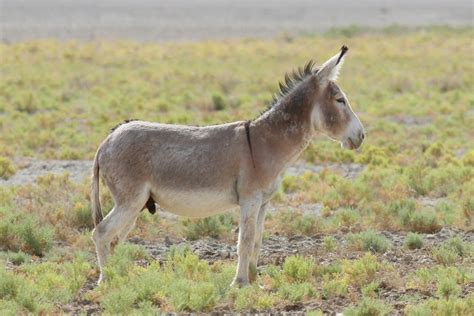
(341,100)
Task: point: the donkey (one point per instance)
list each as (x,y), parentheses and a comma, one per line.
(202,171)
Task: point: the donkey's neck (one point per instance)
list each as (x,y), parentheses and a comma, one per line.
(285,130)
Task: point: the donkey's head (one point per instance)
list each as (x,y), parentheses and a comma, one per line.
(332,114)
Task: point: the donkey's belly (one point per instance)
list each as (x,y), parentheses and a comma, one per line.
(195,203)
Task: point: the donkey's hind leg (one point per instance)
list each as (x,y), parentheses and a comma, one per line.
(150,204)
(119,220)
(122,235)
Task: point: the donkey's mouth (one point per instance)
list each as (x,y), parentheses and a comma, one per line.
(348,143)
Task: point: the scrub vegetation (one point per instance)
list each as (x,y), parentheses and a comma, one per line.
(394,238)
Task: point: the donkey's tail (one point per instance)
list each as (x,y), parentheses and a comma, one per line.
(97,215)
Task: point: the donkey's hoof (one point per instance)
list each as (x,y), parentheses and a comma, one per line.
(239,282)
(101,280)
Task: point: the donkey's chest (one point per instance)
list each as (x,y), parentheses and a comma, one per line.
(195,202)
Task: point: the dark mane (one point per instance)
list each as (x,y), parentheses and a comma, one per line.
(291,81)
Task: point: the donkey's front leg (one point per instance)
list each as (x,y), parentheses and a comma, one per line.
(258,243)
(249,209)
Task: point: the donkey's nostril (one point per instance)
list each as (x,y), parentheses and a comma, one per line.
(362,135)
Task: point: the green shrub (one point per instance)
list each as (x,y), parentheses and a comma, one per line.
(334,285)
(18,258)
(460,247)
(449,307)
(81,216)
(291,183)
(37,288)
(413,241)
(185,263)
(22,294)
(347,217)
(214,226)
(183,282)
(330,243)
(448,288)
(369,307)
(188,295)
(298,268)
(296,292)
(123,258)
(424,221)
(297,223)
(361,271)
(416,175)
(203,296)
(332,268)
(444,180)
(10,308)
(373,155)
(277,278)
(218,101)
(253,298)
(452,249)
(445,256)
(425,279)
(403,209)
(25,233)
(36,239)
(148,283)
(9,287)
(59,282)
(119,301)
(369,241)
(370,289)
(6,168)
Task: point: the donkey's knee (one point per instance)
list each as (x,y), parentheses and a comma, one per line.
(100,232)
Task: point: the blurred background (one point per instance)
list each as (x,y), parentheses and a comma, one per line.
(179,20)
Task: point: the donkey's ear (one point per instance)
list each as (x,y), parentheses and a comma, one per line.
(330,69)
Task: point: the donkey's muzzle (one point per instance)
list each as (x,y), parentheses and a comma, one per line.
(353,142)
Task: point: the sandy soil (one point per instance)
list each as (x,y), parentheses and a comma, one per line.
(28,170)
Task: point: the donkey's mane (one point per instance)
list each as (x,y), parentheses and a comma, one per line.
(292,80)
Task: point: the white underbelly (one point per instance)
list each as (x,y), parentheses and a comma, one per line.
(195,203)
